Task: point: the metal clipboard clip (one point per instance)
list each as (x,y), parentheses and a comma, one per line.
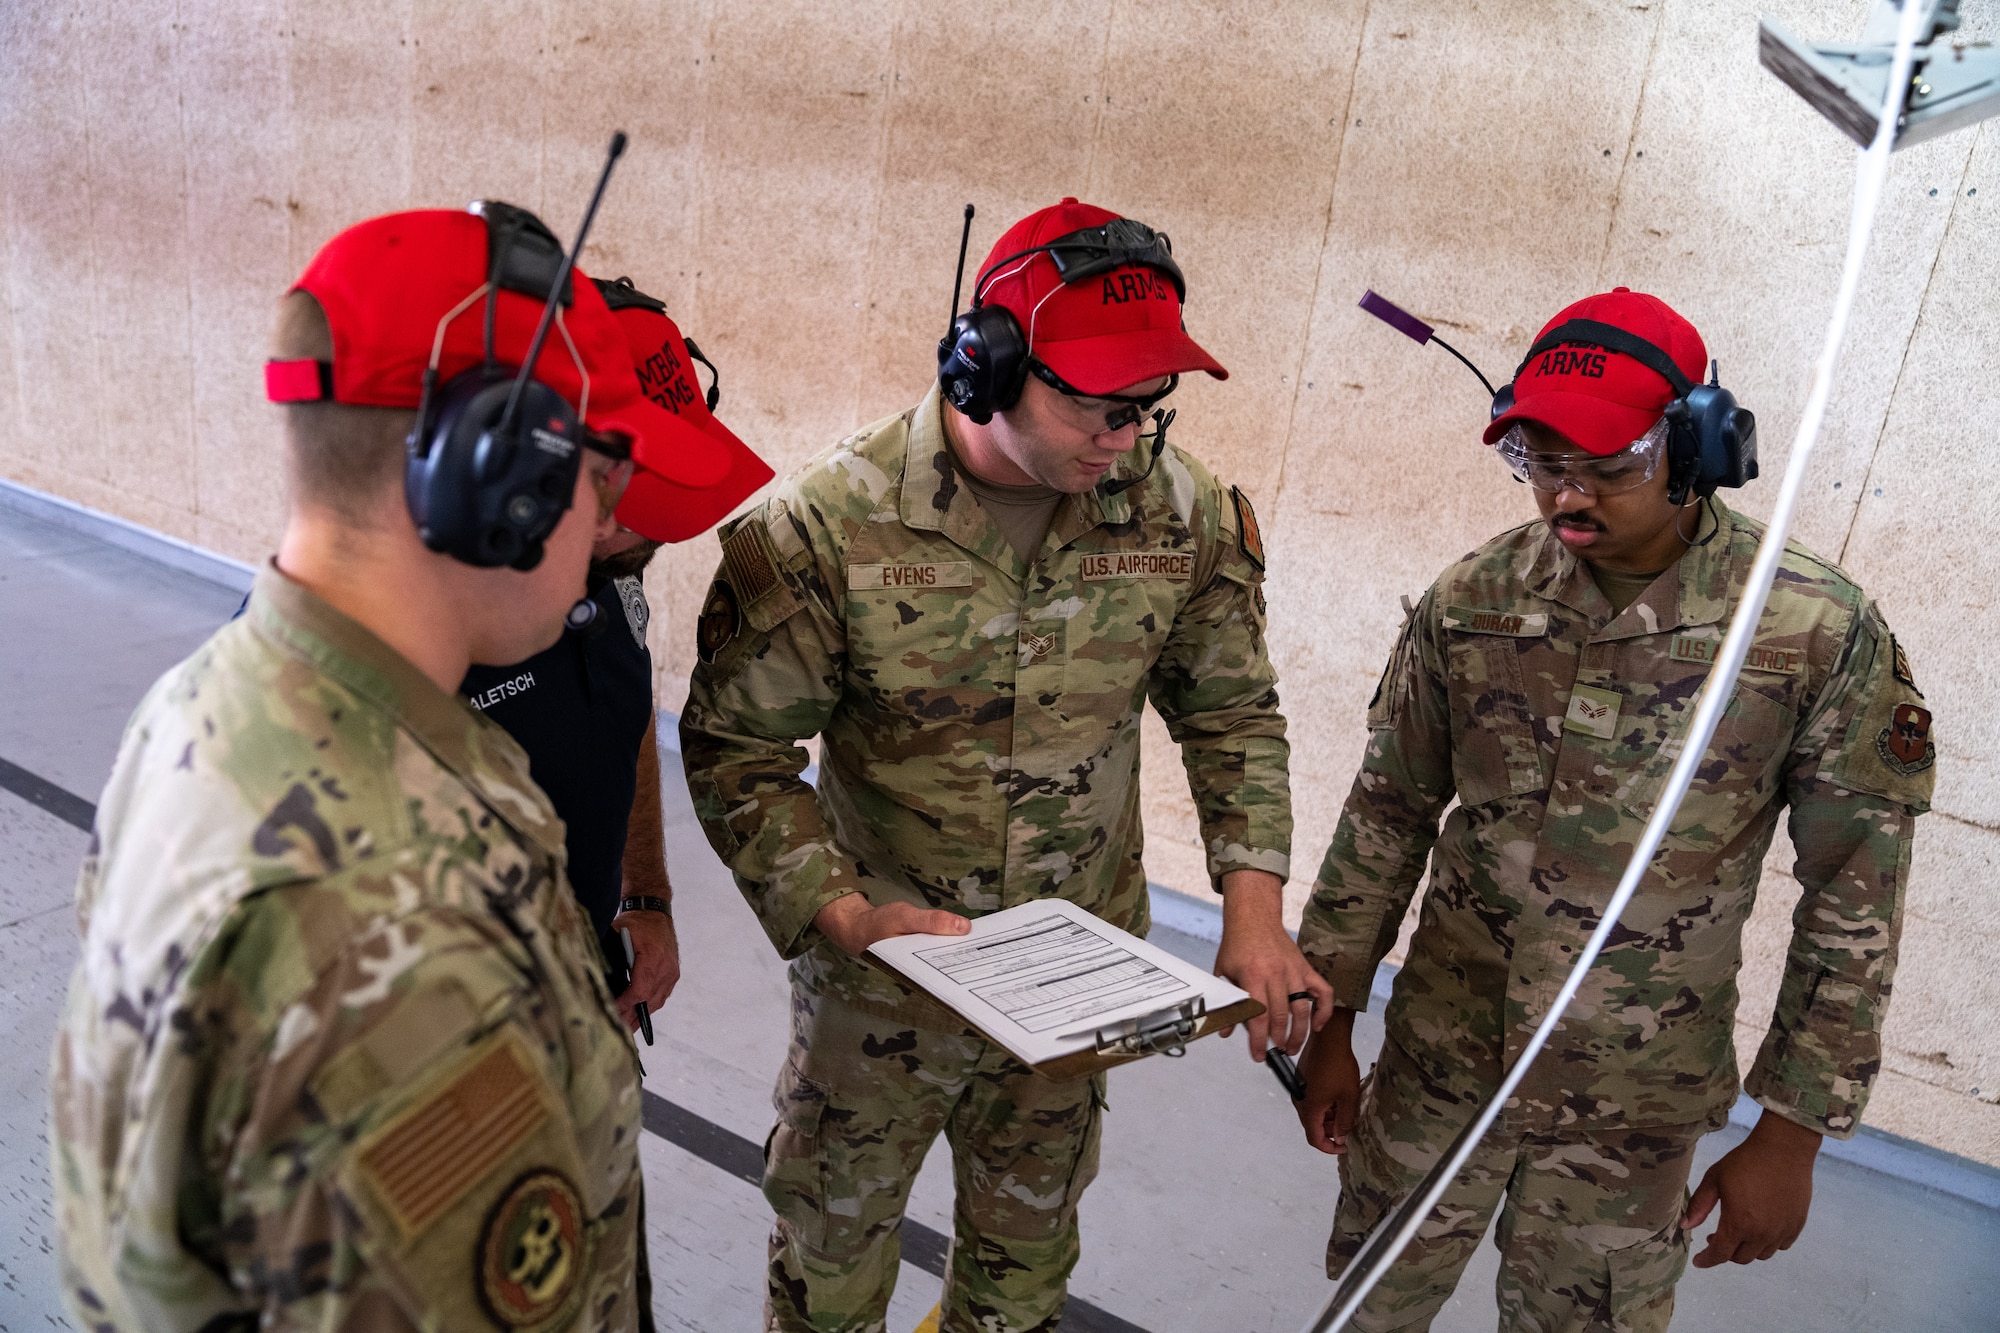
(1164,1033)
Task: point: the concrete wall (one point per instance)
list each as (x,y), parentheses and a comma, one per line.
(793,192)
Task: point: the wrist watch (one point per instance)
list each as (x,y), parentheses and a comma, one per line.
(645,903)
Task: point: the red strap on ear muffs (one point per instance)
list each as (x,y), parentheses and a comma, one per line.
(298,381)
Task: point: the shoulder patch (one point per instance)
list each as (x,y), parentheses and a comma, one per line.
(632,596)
(426,1159)
(533,1252)
(1248,535)
(1905,745)
(721,620)
(750,568)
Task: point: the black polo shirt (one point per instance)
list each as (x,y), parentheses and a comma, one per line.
(579,709)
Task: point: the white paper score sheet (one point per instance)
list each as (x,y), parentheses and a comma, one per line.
(1044,978)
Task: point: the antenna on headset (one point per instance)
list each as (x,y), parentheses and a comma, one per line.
(958,279)
(555,291)
(1407,324)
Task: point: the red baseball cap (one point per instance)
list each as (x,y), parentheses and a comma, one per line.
(1103,334)
(1603,400)
(395,287)
(655,505)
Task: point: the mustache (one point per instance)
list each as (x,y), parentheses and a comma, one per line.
(1577,522)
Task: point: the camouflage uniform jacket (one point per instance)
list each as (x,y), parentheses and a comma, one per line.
(1515,688)
(979,715)
(337,1053)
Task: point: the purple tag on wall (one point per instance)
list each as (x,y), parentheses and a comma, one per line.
(1395,316)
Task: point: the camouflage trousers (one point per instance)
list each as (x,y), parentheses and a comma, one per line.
(859,1102)
(1589,1231)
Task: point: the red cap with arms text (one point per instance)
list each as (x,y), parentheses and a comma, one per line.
(1602,400)
(655,505)
(394,288)
(1104,334)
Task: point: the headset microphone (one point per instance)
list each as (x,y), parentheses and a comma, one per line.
(494,454)
(1161,420)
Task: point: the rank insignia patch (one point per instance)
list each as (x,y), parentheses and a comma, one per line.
(1905,744)
(1593,712)
(1901,665)
(531,1251)
(721,618)
(1248,534)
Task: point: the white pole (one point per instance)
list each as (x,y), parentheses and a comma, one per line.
(1396,1231)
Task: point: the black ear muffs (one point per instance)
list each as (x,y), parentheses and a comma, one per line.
(1711,442)
(488,497)
(983,362)
(477,493)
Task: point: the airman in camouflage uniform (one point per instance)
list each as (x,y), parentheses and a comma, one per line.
(979,712)
(338,1052)
(1551,714)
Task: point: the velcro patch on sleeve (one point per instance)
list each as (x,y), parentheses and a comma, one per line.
(1513,624)
(1248,535)
(919,577)
(1175,565)
(750,562)
(1901,668)
(427,1158)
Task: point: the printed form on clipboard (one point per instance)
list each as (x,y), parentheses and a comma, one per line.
(1066,993)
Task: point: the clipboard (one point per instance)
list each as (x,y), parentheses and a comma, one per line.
(1064,992)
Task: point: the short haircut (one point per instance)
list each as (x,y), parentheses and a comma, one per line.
(338,457)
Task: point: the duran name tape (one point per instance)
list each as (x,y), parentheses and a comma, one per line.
(1510,623)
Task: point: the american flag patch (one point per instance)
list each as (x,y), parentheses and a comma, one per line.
(425,1160)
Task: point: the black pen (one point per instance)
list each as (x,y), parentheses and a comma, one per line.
(645,1021)
(1287,1072)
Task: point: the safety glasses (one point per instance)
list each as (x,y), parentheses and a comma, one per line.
(1626,470)
(1117,410)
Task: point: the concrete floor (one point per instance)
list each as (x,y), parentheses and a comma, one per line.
(1210,1213)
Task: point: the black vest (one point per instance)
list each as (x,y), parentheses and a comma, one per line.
(579,709)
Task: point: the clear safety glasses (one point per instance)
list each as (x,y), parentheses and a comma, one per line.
(1626,470)
(1117,410)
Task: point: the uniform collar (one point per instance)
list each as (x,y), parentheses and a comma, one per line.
(936,499)
(477,752)
(1704,593)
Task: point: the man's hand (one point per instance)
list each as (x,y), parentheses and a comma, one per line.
(1259,956)
(1333,1084)
(656,962)
(853,925)
(1764,1185)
